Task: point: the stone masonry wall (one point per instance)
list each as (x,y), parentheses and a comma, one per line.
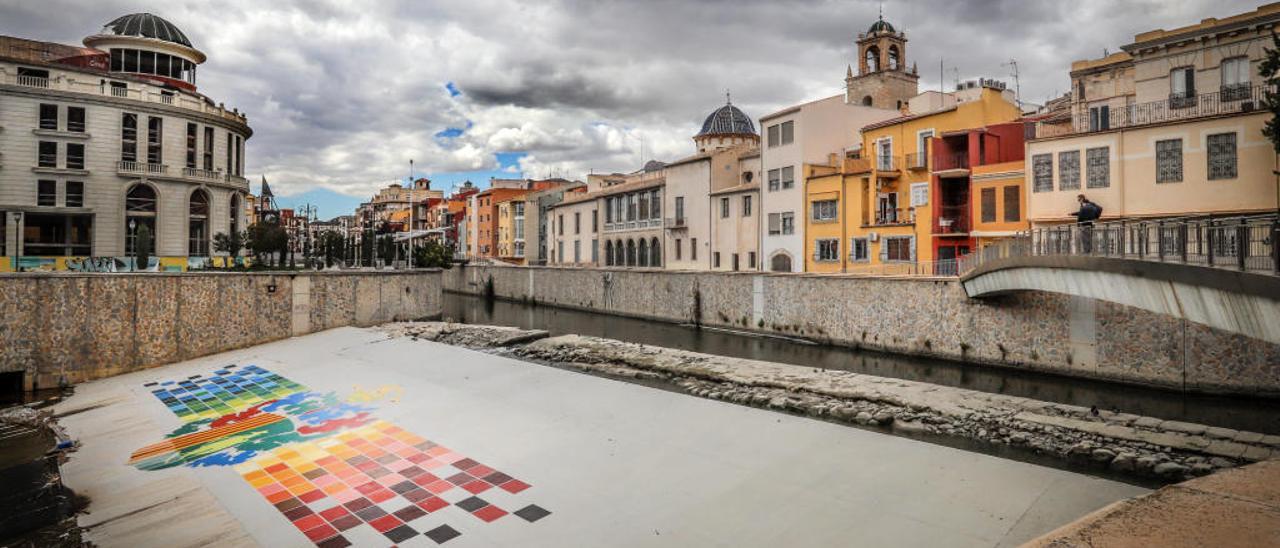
(78,327)
(1040,331)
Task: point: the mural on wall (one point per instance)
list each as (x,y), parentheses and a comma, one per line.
(325,462)
(116,264)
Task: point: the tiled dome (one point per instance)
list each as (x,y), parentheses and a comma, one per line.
(146,25)
(727,120)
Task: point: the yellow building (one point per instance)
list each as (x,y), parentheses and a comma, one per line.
(1169,127)
(902,200)
(511,230)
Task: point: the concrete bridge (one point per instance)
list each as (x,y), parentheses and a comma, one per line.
(1221,273)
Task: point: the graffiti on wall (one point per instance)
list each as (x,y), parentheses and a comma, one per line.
(116,264)
(326,463)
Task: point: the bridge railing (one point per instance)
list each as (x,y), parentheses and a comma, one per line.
(1246,243)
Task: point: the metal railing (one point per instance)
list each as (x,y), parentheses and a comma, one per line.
(93,85)
(917,160)
(887,163)
(677,222)
(1236,99)
(899,216)
(945,267)
(955,160)
(952,219)
(1245,243)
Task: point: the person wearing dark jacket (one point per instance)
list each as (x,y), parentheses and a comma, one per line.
(1085,216)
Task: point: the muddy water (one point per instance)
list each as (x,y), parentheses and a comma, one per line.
(1258,415)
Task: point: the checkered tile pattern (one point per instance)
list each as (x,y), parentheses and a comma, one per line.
(227,391)
(380,475)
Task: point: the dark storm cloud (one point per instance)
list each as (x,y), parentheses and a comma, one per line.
(340,94)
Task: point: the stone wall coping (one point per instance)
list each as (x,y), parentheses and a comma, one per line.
(66,274)
(749,273)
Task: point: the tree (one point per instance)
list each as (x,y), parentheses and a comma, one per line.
(331,246)
(231,244)
(432,254)
(386,248)
(1270,71)
(266,240)
(142,247)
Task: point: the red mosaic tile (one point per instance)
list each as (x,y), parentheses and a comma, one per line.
(346,522)
(334,513)
(476,487)
(489,513)
(320,533)
(311,496)
(386,523)
(310,521)
(380,496)
(280,496)
(514,486)
(278,467)
(439,487)
(432,504)
(367,488)
(480,470)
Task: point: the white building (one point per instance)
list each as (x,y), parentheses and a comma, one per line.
(101,140)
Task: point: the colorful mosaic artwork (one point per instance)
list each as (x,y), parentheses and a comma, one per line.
(325,463)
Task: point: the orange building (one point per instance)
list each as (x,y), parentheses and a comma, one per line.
(487,218)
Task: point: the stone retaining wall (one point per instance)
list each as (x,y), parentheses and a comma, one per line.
(78,327)
(1041,331)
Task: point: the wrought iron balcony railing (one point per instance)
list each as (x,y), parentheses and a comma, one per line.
(917,160)
(1234,99)
(954,160)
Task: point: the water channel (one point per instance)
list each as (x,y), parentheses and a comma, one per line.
(1253,414)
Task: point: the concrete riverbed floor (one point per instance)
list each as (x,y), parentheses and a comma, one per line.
(349,437)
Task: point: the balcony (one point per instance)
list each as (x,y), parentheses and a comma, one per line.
(140,168)
(676,223)
(87,84)
(955,164)
(917,160)
(33,81)
(894,217)
(888,163)
(193,173)
(952,220)
(1237,99)
(857,165)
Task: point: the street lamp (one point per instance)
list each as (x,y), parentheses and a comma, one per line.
(132,234)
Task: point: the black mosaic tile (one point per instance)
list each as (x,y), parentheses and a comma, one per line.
(442,534)
(471,504)
(532,513)
(401,533)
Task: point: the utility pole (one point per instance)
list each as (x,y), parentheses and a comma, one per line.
(413,208)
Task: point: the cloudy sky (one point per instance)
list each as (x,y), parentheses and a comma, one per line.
(342,94)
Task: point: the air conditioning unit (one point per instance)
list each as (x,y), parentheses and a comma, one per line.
(873,237)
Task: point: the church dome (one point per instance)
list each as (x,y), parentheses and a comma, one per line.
(727,120)
(145,25)
(880,26)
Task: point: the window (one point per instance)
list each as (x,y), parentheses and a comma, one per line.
(191,145)
(595,222)
(775,177)
(75,119)
(788,223)
(898,248)
(746,206)
(826,250)
(234,211)
(229,142)
(1235,79)
(788,177)
(1169,161)
(642,207)
(679,209)
(595,251)
(655,205)
(560,226)
(198,224)
(678,248)
(824,210)
(1042,172)
(49,117)
(1012,204)
(724,208)
(47,193)
(577,222)
(239,156)
(693,249)
(631,207)
(1099,167)
(919,194)
(1182,87)
(208,148)
(128,137)
(155,152)
(751,260)
(780,262)
(774,135)
(1222,156)
(715,260)
(48,156)
(788,132)
(858,250)
(577,251)
(139,211)
(75,194)
(75,156)
(1068,170)
(559,250)
(989,205)
(775,223)
(55,234)
(655,253)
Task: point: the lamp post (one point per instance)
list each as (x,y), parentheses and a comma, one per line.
(133,234)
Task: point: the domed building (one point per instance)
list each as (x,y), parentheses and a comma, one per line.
(102,140)
(726,127)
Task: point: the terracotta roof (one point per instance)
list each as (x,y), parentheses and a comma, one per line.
(907,118)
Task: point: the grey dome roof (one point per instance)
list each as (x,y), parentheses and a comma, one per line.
(146,25)
(880,25)
(727,120)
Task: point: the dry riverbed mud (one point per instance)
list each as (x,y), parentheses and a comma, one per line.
(1127,444)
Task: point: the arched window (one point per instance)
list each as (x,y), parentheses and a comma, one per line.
(234,210)
(139,211)
(866,101)
(655,253)
(873,59)
(780,262)
(198,224)
(642,254)
(608,253)
(631,252)
(894,62)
